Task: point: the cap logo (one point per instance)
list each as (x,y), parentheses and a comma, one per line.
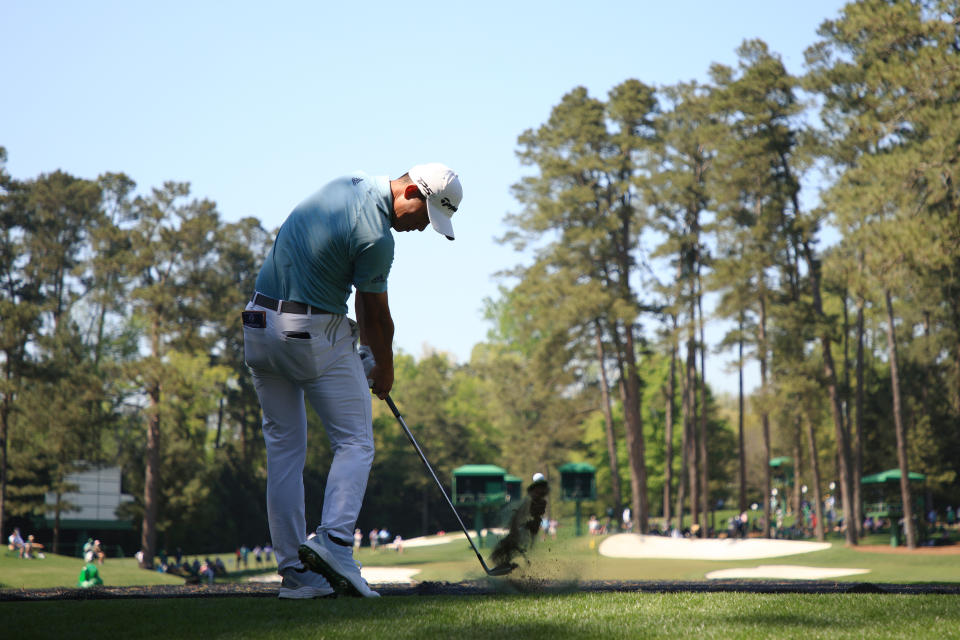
(449,205)
(423,186)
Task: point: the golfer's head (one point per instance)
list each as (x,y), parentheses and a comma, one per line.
(441,189)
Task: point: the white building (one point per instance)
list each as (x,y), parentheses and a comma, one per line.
(97,497)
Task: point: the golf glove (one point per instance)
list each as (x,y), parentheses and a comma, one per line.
(366,359)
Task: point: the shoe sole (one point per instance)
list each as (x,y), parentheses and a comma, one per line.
(341,585)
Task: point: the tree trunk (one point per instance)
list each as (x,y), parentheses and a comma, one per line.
(905,495)
(630,397)
(742,502)
(815,471)
(797,474)
(670,393)
(608,422)
(693,481)
(4,448)
(151,485)
(638,463)
(830,377)
(684,452)
(765,418)
(955,304)
(705,505)
(216,443)
(425,509)
(858,427)
(56,524)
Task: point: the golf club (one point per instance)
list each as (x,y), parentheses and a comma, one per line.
(499,570)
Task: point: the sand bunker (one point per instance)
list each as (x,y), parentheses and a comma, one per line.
(784,572)
(427,541)
(631,545)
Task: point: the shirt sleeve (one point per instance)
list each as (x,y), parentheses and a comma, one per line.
(372,266)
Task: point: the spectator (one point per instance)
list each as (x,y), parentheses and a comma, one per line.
(32,548)
(98,553)
(239,556)
(206,571)
(88,554)
(398,544)
(374,537)
(268,553)
(219,568)
(89,576)
(593,525)
(357,539)
(258,556)
(384,536)
(16,542)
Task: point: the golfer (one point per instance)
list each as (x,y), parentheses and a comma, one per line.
(298,342)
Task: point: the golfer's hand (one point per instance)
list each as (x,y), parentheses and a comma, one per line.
(367,360)
(381,378)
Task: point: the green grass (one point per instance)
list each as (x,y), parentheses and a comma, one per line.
(566,559)
(569,614)
(583,616)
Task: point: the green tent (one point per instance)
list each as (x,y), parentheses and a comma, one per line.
(891,475)
(578,481)
(479,485)
(479,470)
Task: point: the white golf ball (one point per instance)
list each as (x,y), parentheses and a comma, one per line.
(537,477)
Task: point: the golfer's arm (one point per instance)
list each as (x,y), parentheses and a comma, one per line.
(376,326)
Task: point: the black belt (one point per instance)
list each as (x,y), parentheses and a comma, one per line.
(285,306)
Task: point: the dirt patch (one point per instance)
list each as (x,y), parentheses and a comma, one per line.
(524,525)
(947,550)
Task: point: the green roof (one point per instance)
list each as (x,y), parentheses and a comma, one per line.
(479,470)
(512,478)
(781,461)
(891,475)
(578,467)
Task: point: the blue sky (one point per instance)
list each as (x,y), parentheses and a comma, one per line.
(258,104)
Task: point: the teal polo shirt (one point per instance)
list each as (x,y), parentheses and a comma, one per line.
(338,238)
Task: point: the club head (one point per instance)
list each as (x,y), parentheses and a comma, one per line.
(502,569)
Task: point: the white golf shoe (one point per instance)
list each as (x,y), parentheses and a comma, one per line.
(303,584)
(335,562)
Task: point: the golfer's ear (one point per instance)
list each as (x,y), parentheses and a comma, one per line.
(412,192)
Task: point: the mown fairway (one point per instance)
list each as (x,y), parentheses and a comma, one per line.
(576,615)
(532,614)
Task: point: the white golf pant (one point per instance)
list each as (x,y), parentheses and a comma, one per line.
(326,369)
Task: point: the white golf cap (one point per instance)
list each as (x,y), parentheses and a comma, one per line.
(441,187)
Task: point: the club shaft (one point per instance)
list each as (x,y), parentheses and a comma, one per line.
(413,441)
